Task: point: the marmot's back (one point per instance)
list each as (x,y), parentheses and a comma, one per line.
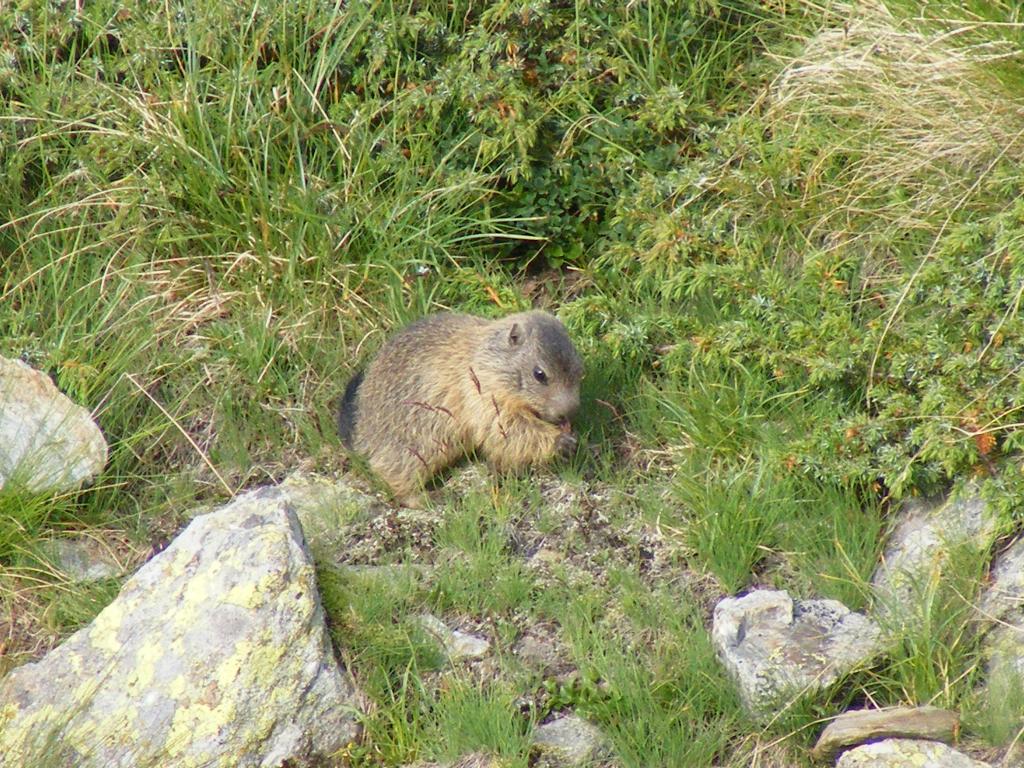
(450,384)
(415,366)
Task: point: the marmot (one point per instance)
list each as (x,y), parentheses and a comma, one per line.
(451,384)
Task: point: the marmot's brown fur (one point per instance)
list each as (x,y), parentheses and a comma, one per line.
(451,384)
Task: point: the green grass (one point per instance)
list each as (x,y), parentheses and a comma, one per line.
(470,718)
(787,239)
(996,710)
(479,575)
(655,690)
(937,653)
(373,616)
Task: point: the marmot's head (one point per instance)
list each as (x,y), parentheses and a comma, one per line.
(538,364)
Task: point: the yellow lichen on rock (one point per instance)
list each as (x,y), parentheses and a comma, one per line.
(103,630)
(145,663)
(214,654)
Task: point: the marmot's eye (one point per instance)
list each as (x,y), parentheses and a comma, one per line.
(540,376)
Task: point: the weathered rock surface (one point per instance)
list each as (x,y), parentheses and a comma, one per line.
(322,504)
(901,753)
(919,549)
(569,741)
(474,760)
(540,651)
(858,726)
(777,648)
(214,653)
(47,443)
(1004,599)
(459,646)
(81,558)
(1001,619)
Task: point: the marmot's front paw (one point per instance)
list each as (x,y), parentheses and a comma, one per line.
(566,442)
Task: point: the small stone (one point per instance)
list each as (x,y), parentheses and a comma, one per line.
(901,753)
(82,559)
(47,443)
(474,760)
(856,727)
(459,646)
(569,741)
(540,652)
(776,648)
(545,557)
(466,646)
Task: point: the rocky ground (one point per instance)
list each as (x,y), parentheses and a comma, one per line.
(217,646)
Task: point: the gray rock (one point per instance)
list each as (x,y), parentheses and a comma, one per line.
(459,646)
(474,760)
(1004,599)
(1003,652)
(83,559)
(1001,621)
(858,726)
(777,649)
(540,652)
(322,504)
(900,753)
(47,443)
(214,653)
(919,549)
(569,741)
(545,557)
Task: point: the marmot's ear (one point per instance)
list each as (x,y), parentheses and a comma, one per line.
(515,335)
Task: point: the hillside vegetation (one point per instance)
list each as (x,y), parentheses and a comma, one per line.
(788,238)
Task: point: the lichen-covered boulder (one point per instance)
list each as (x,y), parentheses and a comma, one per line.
(776,648)
(929,532)
(214,653)
(901,753)
(47,443)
